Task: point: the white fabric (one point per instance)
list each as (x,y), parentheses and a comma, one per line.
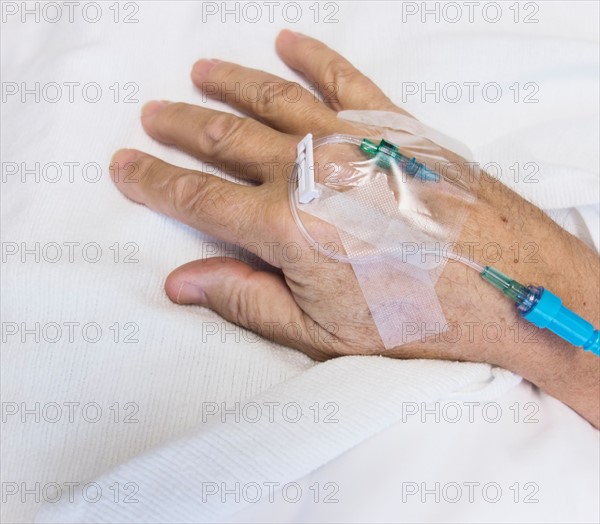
(366,398)
(176,366)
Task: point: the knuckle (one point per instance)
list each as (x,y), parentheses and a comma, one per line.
(242,303)
(220,132)
(187,192)
(244,308)
(143,182)
(341,72)
(273,96)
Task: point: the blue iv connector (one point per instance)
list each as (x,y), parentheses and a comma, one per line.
(545,310)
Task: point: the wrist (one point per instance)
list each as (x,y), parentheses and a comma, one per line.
(564,265)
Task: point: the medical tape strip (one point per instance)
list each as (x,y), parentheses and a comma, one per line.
(370,225)
(398,285)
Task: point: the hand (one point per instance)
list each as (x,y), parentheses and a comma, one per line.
(319,308)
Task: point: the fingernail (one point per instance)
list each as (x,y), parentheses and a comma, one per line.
(153,107)
(190,293)
(202,67)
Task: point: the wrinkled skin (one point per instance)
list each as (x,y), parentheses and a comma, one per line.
(322,300)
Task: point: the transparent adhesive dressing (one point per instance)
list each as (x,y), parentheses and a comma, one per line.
(394,213)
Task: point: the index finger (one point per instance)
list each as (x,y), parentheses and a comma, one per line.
(218,207)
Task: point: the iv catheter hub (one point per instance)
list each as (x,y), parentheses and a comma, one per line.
(545,310)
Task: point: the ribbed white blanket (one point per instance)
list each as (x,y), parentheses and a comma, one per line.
(154,368)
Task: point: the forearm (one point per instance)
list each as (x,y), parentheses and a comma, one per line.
(561,370)
(568,268)
(484,326)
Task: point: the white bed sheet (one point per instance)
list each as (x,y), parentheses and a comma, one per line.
(173,369)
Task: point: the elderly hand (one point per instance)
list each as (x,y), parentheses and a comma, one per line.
(310,305)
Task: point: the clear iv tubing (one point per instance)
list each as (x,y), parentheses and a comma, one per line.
(293,199)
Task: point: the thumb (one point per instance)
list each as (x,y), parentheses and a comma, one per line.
(257,300)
